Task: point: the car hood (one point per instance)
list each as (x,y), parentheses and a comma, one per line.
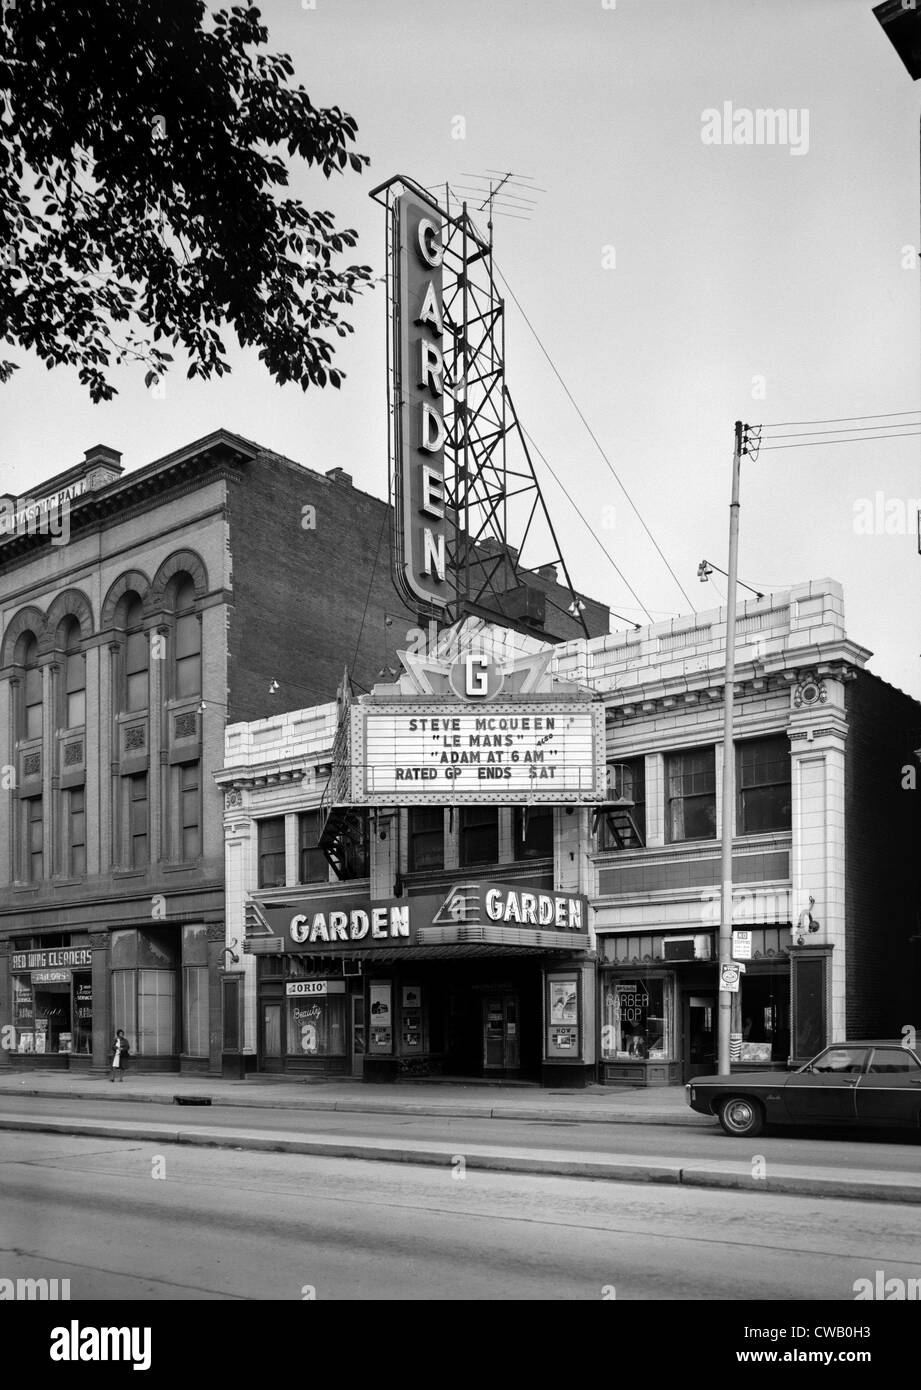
(743,1078)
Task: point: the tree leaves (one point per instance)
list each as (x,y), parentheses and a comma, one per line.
(139,193)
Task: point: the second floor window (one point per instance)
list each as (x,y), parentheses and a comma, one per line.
(271,849)
(34,839)
(533,832)
(76,832)
(426,838)
(690,782)
(479,835)
(190,810)
(137,820)
(763,785)
(312,866)
(623,823)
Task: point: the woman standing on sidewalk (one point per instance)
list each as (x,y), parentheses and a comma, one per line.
(120,1053)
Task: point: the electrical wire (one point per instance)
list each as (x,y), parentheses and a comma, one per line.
(588,525)
(815,443)
(840,419)
(854,429)
(598,445)
(370,585)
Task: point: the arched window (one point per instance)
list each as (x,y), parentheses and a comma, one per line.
(74,692)
(31,725)
(135,693)
(187,640)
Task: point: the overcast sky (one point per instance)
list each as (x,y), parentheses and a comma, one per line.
(732,263)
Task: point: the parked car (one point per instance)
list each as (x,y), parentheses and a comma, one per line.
(876,1083)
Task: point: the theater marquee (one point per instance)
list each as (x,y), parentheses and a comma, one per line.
(444,754)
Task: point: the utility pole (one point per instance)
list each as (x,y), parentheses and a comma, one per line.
(729,767)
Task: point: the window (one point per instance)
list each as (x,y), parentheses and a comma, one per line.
(763,785)
(33,839)
(839,1059)
(137,820)
(312,866)
(356,850)
(272,852)
(156,1013)
(893,1059)
(137,659)
(479,835)
(533,832)
(622,825)
(764,1010)
(426,838)
(316,1026)
(690,780)
(74,681)
(144,989)
(635,1022)
(190,811)
(32,691)
(76,832)
(188,642)
(195,1032)
(232,1013)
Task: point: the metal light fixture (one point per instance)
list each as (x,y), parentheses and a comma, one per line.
(704,570)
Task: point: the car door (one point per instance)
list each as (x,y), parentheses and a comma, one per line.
(825,1090)
(890,1092)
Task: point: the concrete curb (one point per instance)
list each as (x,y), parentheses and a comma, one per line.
(801,1185)
(470,1110)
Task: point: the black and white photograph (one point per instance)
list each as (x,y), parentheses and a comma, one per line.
(460,825)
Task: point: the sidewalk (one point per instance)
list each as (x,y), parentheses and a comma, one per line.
(592,1105)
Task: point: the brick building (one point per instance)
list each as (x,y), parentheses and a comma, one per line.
(139,612)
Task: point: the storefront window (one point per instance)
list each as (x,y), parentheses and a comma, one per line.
(83,1013)
(635,1023)
(144,989)
(316,1026)
(764,1011)
(413,1021)
(195,991)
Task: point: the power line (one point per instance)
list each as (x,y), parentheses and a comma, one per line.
(841,419)
(588,525)
(853,429)
(815,443)
(598,445)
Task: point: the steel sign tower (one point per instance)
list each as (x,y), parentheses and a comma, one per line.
(467,508)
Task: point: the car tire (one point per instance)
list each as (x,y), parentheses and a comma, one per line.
(741,1118)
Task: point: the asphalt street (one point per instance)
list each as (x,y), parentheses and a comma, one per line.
(127,1220)
(897,1154)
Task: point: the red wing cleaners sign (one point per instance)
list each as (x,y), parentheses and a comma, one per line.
(419,428)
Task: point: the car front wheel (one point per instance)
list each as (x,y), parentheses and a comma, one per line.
(741,1118)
